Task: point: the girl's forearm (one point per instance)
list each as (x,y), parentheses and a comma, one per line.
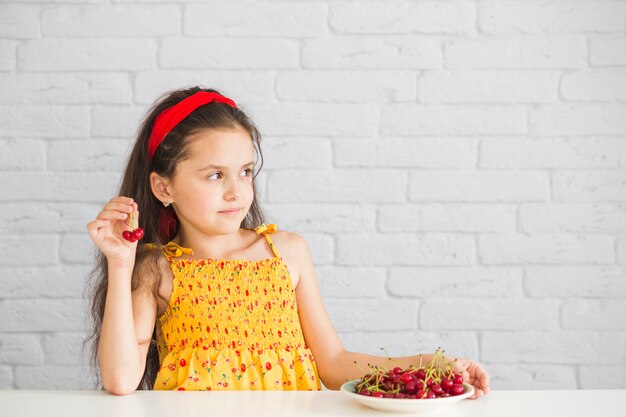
(343,368)
(118,349)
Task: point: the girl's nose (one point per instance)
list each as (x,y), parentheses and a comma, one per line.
(232,189)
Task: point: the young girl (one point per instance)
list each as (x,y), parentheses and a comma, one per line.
(211,298)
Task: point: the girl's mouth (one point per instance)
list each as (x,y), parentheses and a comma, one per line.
(230,212)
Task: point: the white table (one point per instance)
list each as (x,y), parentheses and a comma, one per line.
(17,403)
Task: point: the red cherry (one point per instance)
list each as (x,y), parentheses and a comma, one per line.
(410,387)
(421,374)
(458,379)
(406,378)
(183,362)
(378,394)
(457,389)
(268,366)
(137,233)
(397,370)
(127,234)
(446,384)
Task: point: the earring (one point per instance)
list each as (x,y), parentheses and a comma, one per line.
(166,204)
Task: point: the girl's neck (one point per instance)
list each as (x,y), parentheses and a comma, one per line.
(218,246)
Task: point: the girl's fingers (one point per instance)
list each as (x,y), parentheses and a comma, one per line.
(126,208)
(112,215)
(121,199)
(94,227)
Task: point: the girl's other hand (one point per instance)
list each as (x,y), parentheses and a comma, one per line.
(474,374)
(106,230)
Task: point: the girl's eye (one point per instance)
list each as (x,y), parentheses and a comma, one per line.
(247,170)
(214,174)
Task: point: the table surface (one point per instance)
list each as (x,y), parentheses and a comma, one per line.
(570,403)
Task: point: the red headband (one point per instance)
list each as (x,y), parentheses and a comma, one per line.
(169,118)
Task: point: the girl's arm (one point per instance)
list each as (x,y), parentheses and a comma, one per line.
(335,364)
(127,326)
(129,317)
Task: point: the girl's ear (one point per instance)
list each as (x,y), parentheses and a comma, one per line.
(160,188)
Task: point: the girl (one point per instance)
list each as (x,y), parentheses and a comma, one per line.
(212,298)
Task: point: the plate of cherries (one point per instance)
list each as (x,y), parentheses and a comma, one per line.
(415,389)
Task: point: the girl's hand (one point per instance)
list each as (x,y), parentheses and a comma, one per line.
(474,374)
(106,230)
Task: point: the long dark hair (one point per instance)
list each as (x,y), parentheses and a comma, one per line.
(136,184)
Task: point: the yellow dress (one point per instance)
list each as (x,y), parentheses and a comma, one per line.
(232,325)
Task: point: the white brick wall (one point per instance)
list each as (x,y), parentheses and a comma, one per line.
(457,167)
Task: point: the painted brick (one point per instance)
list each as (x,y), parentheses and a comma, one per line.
(397,17)
(573,218)
(575,281)
(60,88)
(111,21)
(42,315)
(87,54)
(242,86)
(22,154)
(457,282)
(447,218)
(552,347)
(353,52)
(496,314)
(596,86)
(338,186)
(594,315)
(529,153)
(342,86)
(326,218)
(489,87)
(227,53)
(440,120)
(536,52)
(406,249)
(20,21)
(253,19)
(607,51)
(372,315)
(589,186)
(517,249)
(478,186)
(510,17)
(453,153)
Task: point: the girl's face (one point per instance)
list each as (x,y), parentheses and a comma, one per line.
(212,189)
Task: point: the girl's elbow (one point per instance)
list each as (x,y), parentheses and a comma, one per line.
(330,382)
(118,388)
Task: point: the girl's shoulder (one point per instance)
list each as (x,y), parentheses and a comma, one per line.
(291,245)
(152,266)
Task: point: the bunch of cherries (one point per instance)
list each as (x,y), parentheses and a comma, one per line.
(135,233)
(436,380)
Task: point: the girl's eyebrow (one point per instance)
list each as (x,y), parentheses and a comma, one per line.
(211,166)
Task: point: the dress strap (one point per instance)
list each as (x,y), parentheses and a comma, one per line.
(265,231)
(171,250)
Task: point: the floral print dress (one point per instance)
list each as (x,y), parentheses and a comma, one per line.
(232,325)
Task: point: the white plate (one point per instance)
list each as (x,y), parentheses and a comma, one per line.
(405,405)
